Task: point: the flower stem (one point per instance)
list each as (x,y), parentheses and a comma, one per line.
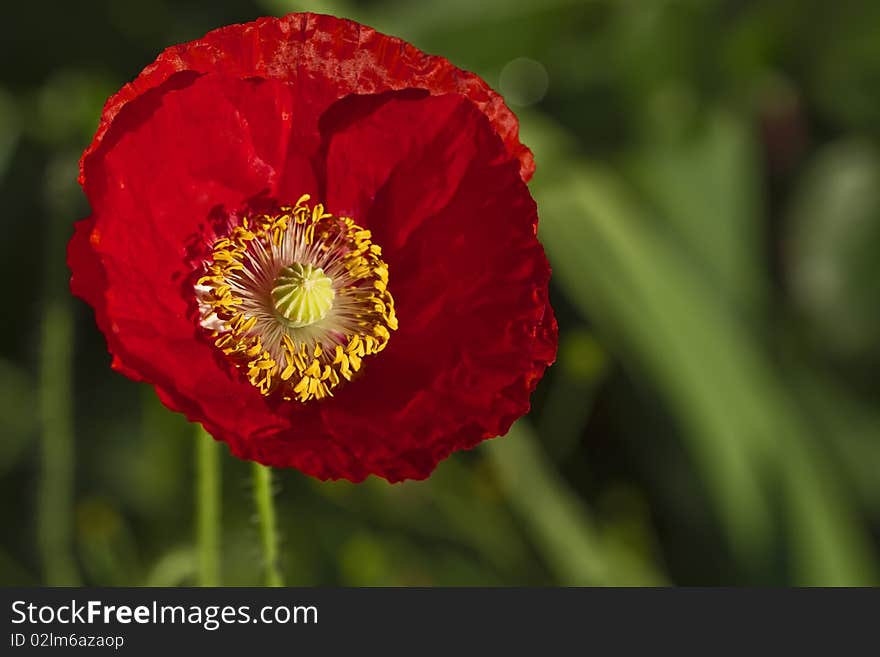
(55,492)
(266,518)
(207,508)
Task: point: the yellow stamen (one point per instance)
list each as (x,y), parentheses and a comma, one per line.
(301,345)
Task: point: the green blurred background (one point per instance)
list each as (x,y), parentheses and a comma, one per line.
(709,190)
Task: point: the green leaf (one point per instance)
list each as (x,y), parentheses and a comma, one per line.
(667,321)
(705,186)
(574,547)
(834,234)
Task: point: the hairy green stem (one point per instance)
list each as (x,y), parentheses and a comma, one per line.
(207,508)
(266,519)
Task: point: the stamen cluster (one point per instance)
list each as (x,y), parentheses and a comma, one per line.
(301,359)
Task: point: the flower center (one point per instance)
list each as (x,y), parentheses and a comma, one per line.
(297,300)
(302,294)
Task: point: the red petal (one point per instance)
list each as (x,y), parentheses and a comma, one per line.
(457,225)
(306,47)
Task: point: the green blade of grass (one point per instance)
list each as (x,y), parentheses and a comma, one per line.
(741,428)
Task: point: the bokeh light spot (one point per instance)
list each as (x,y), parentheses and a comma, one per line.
(523,81)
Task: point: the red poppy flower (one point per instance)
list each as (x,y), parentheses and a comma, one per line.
(318,242)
